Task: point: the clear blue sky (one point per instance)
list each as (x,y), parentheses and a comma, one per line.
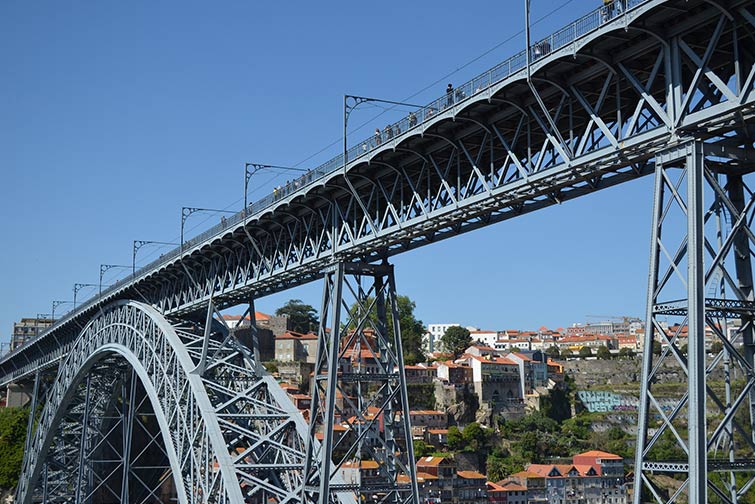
(114,115)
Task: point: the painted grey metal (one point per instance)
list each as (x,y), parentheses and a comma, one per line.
(197,414)
(323,218)
(359,355)
(712,449)
(614,99)
(697,424)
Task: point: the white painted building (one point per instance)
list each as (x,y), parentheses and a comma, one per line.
(434,333)
(487,338)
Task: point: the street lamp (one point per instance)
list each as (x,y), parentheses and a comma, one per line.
(139,244)
(104,268)
(255,167)
(44,316)
(187,211)
(55,304)
(77,287)
(351,102)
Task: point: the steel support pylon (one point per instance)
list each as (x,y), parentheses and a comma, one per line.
(360,411)
(699,327)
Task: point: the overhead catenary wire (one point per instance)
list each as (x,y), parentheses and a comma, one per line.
(439,80)
(385,109)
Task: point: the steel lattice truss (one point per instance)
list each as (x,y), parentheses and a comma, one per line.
(228,433)
(611,106)
(594,114)
(699,277)
(363,346)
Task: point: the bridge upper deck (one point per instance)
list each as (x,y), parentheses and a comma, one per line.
(615,113)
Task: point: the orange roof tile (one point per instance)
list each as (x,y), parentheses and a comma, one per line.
(600,454)
(510,486)
(525,475)
(430,461)
(470,475)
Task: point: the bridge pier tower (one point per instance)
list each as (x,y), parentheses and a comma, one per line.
(699,328)
(360,411)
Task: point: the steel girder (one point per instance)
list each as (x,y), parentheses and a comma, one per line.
(226,430)
(700,278)
(358,381)
(594,115)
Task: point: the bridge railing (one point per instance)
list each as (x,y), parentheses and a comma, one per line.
(565,36)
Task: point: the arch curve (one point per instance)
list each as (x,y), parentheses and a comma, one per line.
(202,467)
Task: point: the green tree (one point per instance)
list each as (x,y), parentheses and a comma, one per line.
(455,438)
(475,437)
(500,463)
(412,329)
(553,352)
(566,353)
(302,317)
(12,437)
(422,449)
(716,347)
(604,353)
(455,340)
(657,347)
(585,352)
(626,353)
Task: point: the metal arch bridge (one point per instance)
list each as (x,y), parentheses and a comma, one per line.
(146,395)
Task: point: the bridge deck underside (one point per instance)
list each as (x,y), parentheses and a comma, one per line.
(596,113)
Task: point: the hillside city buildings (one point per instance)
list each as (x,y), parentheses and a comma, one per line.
(508,371)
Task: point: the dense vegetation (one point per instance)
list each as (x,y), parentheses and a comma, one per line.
(548,435)
(12,437)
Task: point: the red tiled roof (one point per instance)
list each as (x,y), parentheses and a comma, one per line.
(511,486)
(599,454)
(430,461)
(257,316)
(470,475)
(289,335)
(525,475)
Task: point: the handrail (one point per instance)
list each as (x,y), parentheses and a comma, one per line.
(565,36)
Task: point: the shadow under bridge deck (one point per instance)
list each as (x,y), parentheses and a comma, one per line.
(609,95)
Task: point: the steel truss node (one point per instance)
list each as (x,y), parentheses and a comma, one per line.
(360,338)
(708,428)
(142,408)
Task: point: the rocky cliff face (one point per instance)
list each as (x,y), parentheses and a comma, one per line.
(595,373)
(459,402)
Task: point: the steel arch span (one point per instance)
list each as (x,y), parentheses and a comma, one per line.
(223,432)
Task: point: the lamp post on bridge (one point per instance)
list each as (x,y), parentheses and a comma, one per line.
(77,287)
(350,103)
(55,304)
(141,243)
(186,212)
(252,168)
(104,268)
(43,316)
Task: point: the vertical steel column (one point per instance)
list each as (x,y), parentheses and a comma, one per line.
(360,359)
(129,405)
(647,356)
(317,464)
(336,281)
(255,336)
(743,267)
(698,474)
(84,440)
(406,421)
